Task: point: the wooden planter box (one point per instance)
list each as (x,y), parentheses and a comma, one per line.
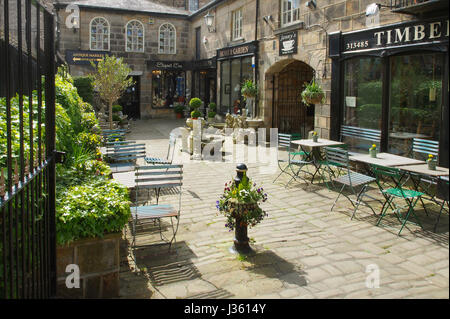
(99,262)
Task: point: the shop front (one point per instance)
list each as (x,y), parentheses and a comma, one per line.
(204,78)
(236,64)
(393,81)
(168,83)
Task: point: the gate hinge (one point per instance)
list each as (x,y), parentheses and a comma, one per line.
(60,157)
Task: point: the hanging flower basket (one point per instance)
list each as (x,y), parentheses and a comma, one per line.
(312,93)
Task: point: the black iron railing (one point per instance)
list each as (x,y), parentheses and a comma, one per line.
(27,143)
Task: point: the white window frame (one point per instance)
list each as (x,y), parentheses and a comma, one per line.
(236,27)
(134,37)
(90,35)
(289,14)
(165,46)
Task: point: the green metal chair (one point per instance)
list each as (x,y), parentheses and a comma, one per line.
(294,157)
(339,157)
(391,194)
(326,166)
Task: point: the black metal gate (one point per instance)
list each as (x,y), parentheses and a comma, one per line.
(27,143)
(290,115)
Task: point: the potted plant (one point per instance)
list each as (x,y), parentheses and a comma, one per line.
(373,151)
(195,103)
(312,93)
(249,89)
(179,110)
(315,137)
(211,112)
(431,161)
(195,114)
(239,203)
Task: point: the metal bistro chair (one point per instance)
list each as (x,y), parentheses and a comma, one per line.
(444,195)
(366,136)
(169,156)
(286,166)
(411,197)
(157,177)
(122,157)
(339,157)
(326,167)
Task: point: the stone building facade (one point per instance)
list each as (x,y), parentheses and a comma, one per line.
(280,44)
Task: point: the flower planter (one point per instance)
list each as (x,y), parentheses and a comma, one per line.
(315,138)
(241,242)
(98,260)
(431,165)
(373,153)
(315,99)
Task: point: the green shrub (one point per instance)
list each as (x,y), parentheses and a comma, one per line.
(85,88)
(196,114)
(117,108)
(116,118)
(211,114)
(212,106)
(90,123)
(91,210)
(195,103)
(179,109)
(90,141)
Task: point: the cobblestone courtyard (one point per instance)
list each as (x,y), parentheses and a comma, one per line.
(303,250)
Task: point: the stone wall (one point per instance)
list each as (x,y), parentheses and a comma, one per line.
(98,260)
(329,16)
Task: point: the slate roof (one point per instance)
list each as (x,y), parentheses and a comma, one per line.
(128,5)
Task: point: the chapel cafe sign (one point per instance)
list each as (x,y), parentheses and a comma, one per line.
(239,50)
(83,57)
(418,32)
(168,65)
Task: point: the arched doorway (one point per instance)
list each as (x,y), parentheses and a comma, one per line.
(289,113)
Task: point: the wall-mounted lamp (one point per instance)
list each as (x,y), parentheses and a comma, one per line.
(311,4)
(209,21)
(374,8)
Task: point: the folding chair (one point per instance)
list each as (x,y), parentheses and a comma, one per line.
(122,157)
(284,141)
(326,166)
(157,177)
(169,156)
(444,188)
(339,157)
(411,197)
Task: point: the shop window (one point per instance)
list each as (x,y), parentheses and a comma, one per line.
(99,34)
(290,12)
(362,100)
(135,36)
(237,25)
(169,88)
(167,39)
(193,5)
(233,74)
(415,101)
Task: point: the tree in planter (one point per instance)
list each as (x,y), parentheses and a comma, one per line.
(179,110)
(249,91)
(212,111)
(111,80)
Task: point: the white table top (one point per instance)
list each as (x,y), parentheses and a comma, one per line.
(321,142)
(385,159)
(423,169)
(406,135)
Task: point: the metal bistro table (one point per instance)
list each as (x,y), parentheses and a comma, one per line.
(315,155)
(385,159)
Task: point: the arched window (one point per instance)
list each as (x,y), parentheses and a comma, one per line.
(99,29)
(167,39)
(135,36)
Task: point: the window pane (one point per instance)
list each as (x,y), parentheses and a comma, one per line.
(415,101)
(225,86)
(236,83)
(362,100)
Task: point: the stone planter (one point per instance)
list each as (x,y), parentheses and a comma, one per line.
(98,260)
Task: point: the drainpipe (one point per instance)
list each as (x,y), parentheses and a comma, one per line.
(254,115)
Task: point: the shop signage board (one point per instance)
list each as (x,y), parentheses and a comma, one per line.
(238,50)
(418,32)
(288,43)
(84,57)
(168,65)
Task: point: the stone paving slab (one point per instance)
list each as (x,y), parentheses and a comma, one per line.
(303,250)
